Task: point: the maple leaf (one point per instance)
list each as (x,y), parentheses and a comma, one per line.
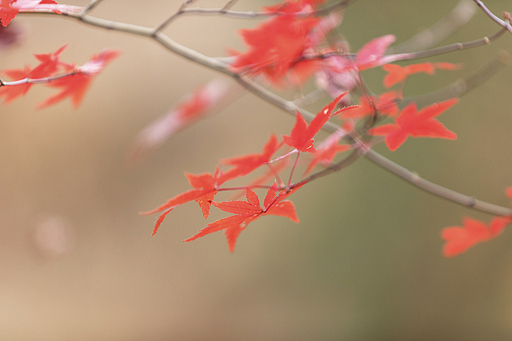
(397,74)
(412,123)
(75,86)
(275,47)
(302,135)
(49,64)
(371,53)
(10,8)
(246,212)
(205,188)
(10,93)
(7,12)
(245,164)
(190,109)
(459,239)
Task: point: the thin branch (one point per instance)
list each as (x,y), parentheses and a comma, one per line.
(90,7)
(391,58)
(503,23)
(436,189)
(441,30)
(228,5)
(258,15)
(37,80)
(443,49)
(462,86)
(224,11)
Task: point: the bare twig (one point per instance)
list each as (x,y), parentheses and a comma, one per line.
(441,30)
(503,23)
(90,7)
(433,188)
(258,15)
(37,80)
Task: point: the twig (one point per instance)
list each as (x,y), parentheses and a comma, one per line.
(462,86)
(441,30)
(258,15)
(503,23)
(37,80)
(89,7)
(433,188)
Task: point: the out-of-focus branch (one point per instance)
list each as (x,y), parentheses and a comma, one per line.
(436,189)
(441,30)
(37,80)
(226,12)
(90,7)
(462,86)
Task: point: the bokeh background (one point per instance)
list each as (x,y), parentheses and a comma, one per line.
(77,262)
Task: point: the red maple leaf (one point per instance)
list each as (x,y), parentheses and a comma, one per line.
(49,65)
(245,164)
(246,212)
(276,46)
(205,188)
(189,110)
(10,93)
(10,8)
(397,73)
(7,12)
(76,85)
(371,53)
(412,123)
(459,239)
(302,135)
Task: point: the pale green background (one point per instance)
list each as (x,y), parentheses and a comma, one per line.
(364,263)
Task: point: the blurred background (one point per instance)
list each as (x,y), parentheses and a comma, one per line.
(77,261)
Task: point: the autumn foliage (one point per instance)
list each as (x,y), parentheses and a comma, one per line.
(294,45)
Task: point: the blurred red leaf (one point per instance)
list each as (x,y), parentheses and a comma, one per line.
(75,86)
(459,239)
(412,123)
(189,110)
(397,74)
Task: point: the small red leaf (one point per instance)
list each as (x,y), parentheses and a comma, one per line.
(459,239)
(412,123)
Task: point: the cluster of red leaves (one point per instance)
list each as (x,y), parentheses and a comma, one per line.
(72,80)
(206,186)
(276,46)
(246,212)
